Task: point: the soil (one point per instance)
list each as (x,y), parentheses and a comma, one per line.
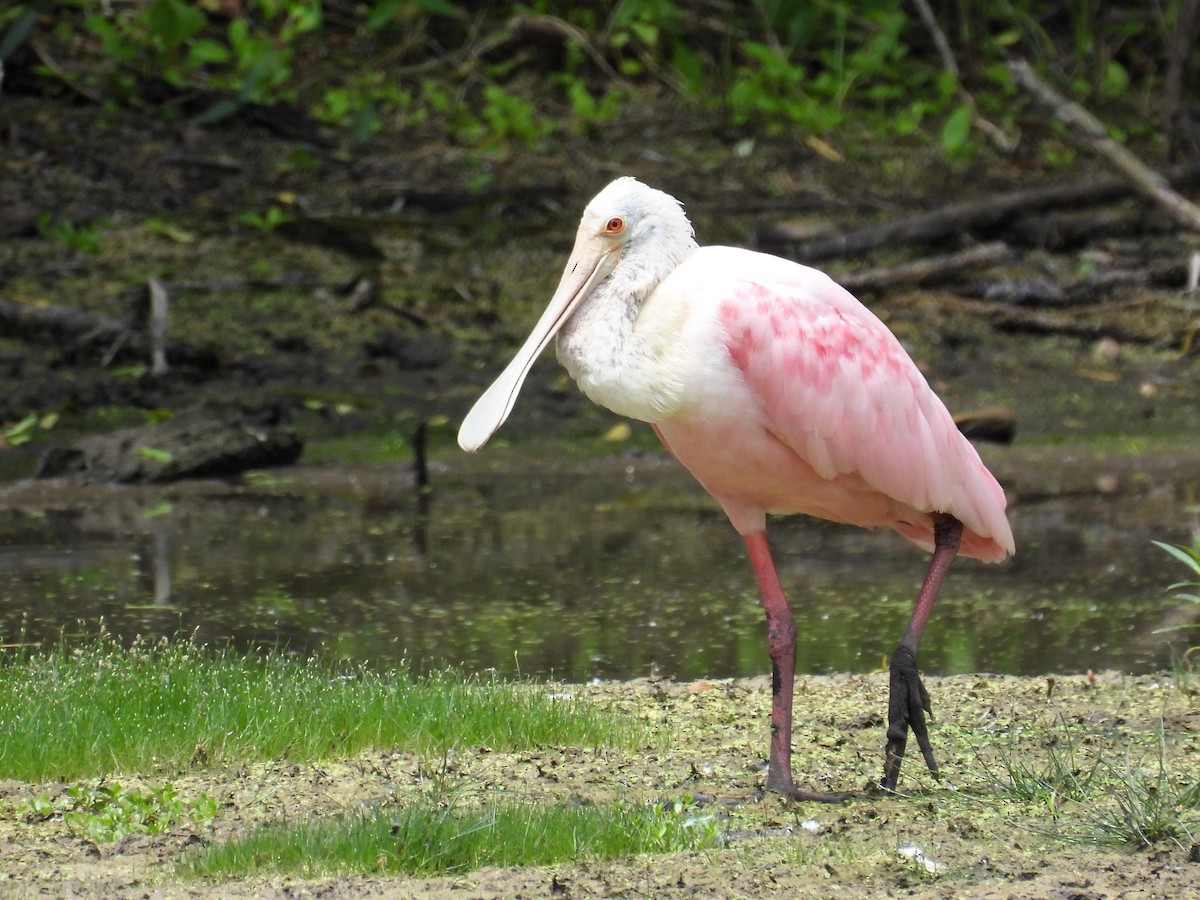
(384,301)
(976,837)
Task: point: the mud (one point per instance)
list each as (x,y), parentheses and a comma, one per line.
(706,745)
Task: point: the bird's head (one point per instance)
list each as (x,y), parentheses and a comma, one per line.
(630,238)
(642,229)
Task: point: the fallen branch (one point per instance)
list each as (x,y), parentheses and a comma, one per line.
(1078,294)
(956,218)
(1014,318)
(73,330)
(1063,229)
(61,322)
(997,424)
(1091,131)
(929,270)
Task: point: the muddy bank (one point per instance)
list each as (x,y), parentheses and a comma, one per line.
(978,836)
(390,293)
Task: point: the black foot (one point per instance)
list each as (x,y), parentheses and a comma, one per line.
(908,703)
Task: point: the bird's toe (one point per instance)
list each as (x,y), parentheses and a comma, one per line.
(908,705)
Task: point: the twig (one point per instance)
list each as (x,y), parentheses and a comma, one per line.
(157,326)
(950,64)
(1182,42)
(50,63)
(1091,131)
(527,27)
(116,347)
(769,34)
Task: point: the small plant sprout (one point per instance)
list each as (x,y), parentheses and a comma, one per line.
(1190,558)
(105,811)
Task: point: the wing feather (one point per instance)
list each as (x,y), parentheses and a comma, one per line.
(839,389)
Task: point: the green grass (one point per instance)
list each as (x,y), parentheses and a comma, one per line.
(1148,803)
(431,839)
(99,708)
(1062,775)
(1113,793)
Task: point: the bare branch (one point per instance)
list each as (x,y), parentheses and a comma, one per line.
(1090,130)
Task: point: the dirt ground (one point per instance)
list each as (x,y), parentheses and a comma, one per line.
(975,837)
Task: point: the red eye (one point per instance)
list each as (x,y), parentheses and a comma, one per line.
(615,225)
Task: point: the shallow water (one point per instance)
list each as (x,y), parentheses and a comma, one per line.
(612,569)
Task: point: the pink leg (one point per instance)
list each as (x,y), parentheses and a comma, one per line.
(781,645)
(908,701)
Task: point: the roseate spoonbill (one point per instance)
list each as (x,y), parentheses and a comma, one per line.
(781,393)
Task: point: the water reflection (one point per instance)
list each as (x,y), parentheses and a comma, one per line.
(619,569)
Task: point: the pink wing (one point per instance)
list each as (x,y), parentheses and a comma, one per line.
(837,387)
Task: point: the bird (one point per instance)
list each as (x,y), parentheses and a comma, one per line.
(782,394)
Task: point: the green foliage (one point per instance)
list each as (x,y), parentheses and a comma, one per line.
(384,12)
(84,238)
(780,65)
(22,432)
(956,130)
(1060,777)
(510,118)
(107,812)
(1190,558)
(586,109)
(178,41)
(265,222)
(1187,591)
(1146,805)
(435,838)
(1099,796)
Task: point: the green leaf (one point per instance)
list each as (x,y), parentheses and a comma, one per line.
(15,36)
(381,14)
(1115,80)
(156,454)
(172,22)
(21,432)
(957,129)
(689,66)
(206,52)
(440,8)
(222,109)
(1192,561)
(162,509)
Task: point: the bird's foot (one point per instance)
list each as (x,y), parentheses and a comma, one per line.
(908,703)
(777,784)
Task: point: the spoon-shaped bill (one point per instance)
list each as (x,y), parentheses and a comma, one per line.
(590,263)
